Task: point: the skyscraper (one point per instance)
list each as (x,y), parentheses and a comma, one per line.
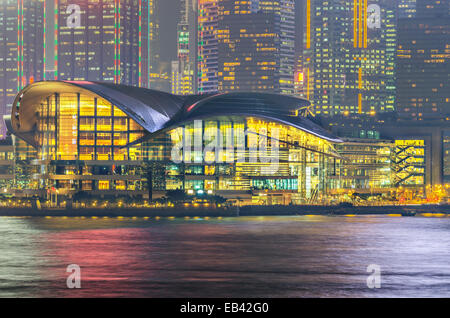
(22,46)
(184,69)
(107,40)
(349,55)
(207,46)
(423,63)
(432,8)
(406,9)
(299,34)
(246,45)
(159,78)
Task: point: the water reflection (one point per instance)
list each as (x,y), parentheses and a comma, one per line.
(302,256)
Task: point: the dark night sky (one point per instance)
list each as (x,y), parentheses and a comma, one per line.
(169,17)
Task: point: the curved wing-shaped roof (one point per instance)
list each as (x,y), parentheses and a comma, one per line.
(279,108)
(156,111)
(149,108)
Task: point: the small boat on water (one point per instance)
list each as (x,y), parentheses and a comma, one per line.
(408,213)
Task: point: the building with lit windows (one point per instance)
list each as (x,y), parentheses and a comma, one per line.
(418,147)
(22,49)
(108,139)
(446,156)
(423,63)
(432,8)
(207,46)
(366,166)
(6,166)
(256,41)
(406,9)
(182,79)
(349,56)
(112,41)
(409,163)
(248,59)
(184,70)
(234,36)
(24,168)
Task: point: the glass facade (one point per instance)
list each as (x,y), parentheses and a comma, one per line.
(367,165)
(446,155)
(6,166)
(85,143)
(244,158)
(84,127)
(83,139)
(409,162)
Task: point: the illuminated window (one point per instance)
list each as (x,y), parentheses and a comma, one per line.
(103,108)
(103,185)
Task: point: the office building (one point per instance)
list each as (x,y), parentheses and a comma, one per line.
(423,63)
(6,167)
(256,45)
(184,70)
(406,9)
(111,40)
(22,47)
(207,81)
(349,56)
(366,166)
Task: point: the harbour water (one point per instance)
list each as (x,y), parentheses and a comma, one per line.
(289,256)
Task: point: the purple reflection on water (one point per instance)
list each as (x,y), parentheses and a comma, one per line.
(304,256)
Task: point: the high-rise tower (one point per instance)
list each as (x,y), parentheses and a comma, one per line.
(104,40)
(184,69)
(22,47)
(207,49)
(349,55)
(246,45)
(423,63)
(406,9)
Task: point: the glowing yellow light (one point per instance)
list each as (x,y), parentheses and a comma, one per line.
(308,24)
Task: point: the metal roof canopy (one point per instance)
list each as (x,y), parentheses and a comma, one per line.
(156,111)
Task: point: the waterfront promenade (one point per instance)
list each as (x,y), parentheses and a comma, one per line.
(405,210)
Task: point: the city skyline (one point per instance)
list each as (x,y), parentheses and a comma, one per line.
(224,148)
(346,57)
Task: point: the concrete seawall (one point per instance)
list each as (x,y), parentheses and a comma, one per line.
(243,211)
